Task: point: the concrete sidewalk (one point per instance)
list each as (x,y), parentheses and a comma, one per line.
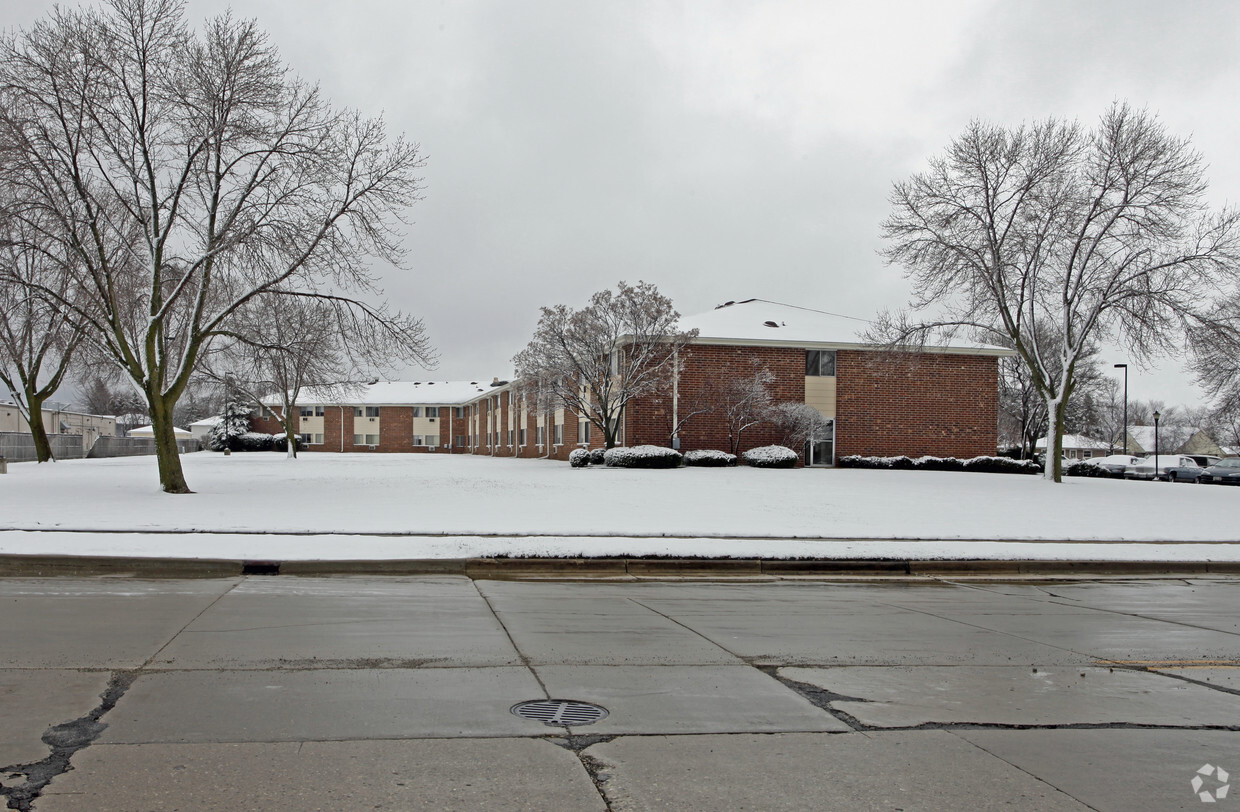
(349,692)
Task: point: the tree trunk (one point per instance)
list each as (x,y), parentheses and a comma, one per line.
(1055,411)
(291,453)
(38,432)
(171,477)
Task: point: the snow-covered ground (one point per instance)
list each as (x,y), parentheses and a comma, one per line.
(483,503)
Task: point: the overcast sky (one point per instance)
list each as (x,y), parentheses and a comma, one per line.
(721,150)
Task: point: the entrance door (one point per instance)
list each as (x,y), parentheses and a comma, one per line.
(822,450)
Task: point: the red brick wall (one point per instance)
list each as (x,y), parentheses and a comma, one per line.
(649,420)
(916,404)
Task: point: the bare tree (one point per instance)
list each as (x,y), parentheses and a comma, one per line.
(1214,341)
(595,360)
(801,424)
(1098,234)
(191,173)
(37,338)
(742,401)
(282,345)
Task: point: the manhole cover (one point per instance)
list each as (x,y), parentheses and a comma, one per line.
(560,712)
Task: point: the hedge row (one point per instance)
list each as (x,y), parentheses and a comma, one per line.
(985,465)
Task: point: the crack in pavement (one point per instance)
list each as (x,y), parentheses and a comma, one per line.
(596,769)
(22,784)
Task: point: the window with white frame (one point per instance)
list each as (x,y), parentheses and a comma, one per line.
(458,411)
(372,439)
(372,411)
(559,434)
(432,411)
(521,437)
(319,411)
(318,439)
(306,411)
(583,433)
(358,411)
(417,411)
(304,439)
(540,435)
(359,439)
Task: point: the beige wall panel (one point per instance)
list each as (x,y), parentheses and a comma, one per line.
(820,393)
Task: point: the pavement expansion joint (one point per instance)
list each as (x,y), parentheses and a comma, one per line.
(22,784)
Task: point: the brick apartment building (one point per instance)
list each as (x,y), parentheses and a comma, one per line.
(942,401)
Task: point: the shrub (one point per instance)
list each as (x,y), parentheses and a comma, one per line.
(597,455)
(579,458)
(771,456)
(938,464)
(253,441)
(1001,465)
(985,465)
(704,458)
(279,442)
(642,456)
(1087,469)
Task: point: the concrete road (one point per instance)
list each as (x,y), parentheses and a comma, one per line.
(347,693)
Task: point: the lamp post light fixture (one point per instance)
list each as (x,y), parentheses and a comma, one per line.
(1124,428)
(1156,416)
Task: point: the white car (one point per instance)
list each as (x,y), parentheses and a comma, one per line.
(1117,464)
(1144,469)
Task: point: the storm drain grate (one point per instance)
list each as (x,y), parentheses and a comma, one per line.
(560,712)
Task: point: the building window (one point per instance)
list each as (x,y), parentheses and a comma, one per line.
(820,363)
(417,411)
(521,437)
(432,411)
(510,436)
(583,433)
(540,435)
(319,411)
(318,439)
(460,441)
(357,411)
(559,434)
(304,439)
(372,439)
(359,439)
(306,411)
(417,439)
(372,411)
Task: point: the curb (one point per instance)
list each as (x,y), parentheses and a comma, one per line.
(35,566)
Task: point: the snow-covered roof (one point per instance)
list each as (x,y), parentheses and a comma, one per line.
(758,321)
(207,421)
(147,431)
(395,393)
(1076,441)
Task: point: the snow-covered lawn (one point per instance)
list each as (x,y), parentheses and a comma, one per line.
(759,511)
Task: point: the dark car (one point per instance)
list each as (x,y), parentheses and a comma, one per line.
(1226,472)
(1184,473)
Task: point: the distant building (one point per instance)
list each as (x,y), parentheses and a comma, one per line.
(1078,447)
(61,421)
(1172,440)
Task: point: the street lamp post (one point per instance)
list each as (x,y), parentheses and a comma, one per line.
(1124,428)
(1156,416)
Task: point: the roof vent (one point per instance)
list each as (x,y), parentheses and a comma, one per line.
(770,324)
(430,383)
(725,304)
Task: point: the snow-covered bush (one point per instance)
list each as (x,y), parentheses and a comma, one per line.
(579,458)
(771,456)
(938,464)
(279,442)
(705,458)
(985,465)
(1086,468)
(597,456)
(1001,465)
(642,456)
(253,441)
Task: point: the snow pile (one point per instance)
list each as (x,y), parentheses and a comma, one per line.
(706,458)
(771,456)
(642,456)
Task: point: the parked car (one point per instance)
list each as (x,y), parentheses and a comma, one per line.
(1224,472)
(1116,464)
(1144,469)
